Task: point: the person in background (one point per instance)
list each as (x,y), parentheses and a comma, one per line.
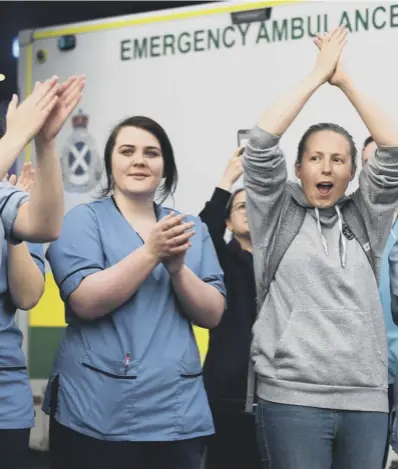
(226,365)
(369,147)
(21,287)
(319,346)
(126,389)
(28,212)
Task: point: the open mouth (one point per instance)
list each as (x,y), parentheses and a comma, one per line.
(324,187)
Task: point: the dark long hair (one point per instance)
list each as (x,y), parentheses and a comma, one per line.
(169,185)
(228,209)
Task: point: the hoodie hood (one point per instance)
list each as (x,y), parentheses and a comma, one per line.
(323,217)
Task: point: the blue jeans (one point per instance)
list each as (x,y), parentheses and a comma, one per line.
(296,437)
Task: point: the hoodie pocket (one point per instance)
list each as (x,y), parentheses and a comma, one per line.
(330,347)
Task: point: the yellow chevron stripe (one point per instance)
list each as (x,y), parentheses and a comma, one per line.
(50,310)
(228,7)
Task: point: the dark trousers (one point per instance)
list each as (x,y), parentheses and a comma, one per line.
(14,449)
(73,450)
(390,404)
(234,444)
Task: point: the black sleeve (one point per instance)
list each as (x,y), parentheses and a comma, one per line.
(213,215)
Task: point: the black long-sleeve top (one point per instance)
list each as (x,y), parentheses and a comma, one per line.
(226,364)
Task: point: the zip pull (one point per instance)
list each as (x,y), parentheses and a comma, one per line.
(127,360)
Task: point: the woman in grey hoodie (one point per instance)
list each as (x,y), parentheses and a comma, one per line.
(319,345)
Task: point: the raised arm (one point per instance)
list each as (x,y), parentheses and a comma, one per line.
(280,115)
(284,111)
(265,171)
(214,212)
(264,163)
(377,195)
(382,128)
(25,120)
(40,219)
(77,261)
(25,266)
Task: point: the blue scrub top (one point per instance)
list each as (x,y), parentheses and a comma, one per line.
(16,400)
(160,395)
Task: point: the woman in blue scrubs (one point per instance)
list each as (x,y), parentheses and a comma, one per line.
(21,286)
(36,218)
(127,390)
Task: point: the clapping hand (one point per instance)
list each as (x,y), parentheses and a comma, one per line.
(169,241)
(25,180)
(26,119)
(44,112)
(69,95)
(338,76)
(330,47)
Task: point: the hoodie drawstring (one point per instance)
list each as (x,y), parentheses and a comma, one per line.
(342,237)
(324,243)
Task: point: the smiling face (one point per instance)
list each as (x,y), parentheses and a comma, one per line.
(326,168)
(137,162)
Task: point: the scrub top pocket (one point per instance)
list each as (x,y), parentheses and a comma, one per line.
(195,413)
(109,390)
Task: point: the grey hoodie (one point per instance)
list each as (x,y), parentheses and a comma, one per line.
(319,339)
